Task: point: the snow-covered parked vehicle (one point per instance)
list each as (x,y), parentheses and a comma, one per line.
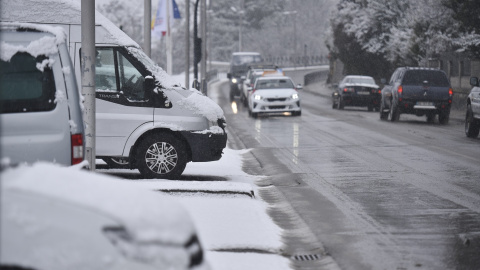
(40,113)
(60,218)
(144,119)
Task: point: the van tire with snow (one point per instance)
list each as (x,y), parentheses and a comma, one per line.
(161,155)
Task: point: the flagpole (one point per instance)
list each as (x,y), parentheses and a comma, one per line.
(169,41)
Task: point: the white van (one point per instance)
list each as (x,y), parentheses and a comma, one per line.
(40,113)
(144,119)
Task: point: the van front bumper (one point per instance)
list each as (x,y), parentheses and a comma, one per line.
(206,146)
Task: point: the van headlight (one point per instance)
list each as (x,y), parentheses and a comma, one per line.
(234,80)
(295,96)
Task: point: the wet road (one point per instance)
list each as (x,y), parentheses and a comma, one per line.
(375,194)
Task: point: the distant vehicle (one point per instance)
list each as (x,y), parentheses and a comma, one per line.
(359,91)
(418,91)
(255,71)
(61,218)
(41,116)
(238,69)
(144,119)
(274,94)
(472,117)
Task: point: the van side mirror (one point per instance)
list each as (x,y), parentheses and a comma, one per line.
(299,86)
(474,81)
(229,75)
(149,83)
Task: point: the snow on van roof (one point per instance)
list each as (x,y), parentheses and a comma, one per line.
(46,45)
(58,12)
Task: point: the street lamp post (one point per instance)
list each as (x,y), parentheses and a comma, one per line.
(294,13)
(240,21)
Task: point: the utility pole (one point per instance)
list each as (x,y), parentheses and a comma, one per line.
(203,66)
(197,43)
(187,44)
(88,77)
(147,26)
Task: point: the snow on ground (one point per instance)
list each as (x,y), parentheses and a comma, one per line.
(230,223)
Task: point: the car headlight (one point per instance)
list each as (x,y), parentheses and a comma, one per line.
(234,80)
(257,97)
(295,96)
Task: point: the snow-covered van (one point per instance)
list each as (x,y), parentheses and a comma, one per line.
(40,113)
(144,119)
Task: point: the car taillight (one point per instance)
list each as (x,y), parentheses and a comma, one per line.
(400,89)
(379,91)
(450,92)
(77,148)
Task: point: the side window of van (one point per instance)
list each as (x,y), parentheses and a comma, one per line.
(24,87)
(115,74)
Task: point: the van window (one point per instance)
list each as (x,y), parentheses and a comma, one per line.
(129,82)
(24,87)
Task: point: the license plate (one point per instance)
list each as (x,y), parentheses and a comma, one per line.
(424,103)
(363,93)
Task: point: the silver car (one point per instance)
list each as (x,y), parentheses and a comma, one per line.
(40,113)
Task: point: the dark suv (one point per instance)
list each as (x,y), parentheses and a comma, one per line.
(238,70)
(418,91)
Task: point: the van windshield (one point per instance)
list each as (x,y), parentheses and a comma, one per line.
(160,75)
(24,87)
(239,60)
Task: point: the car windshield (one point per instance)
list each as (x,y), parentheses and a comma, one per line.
(429,77)
(274,84)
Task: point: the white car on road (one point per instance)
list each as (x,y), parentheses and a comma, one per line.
(274,94)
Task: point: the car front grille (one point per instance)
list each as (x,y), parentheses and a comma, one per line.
(275,99)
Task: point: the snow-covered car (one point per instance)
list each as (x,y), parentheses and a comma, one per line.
(358,91)
(63,218)
(40,111)
(274,94)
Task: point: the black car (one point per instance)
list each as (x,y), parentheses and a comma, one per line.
(359,91)
(419,91)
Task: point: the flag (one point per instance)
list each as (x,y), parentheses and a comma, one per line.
(159,22)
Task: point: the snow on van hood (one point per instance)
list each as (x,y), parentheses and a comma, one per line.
(200,104)
(47,45)
(59,12)
(148,216)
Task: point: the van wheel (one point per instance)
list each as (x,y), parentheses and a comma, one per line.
(161,156)
(117,163)
(472,126)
